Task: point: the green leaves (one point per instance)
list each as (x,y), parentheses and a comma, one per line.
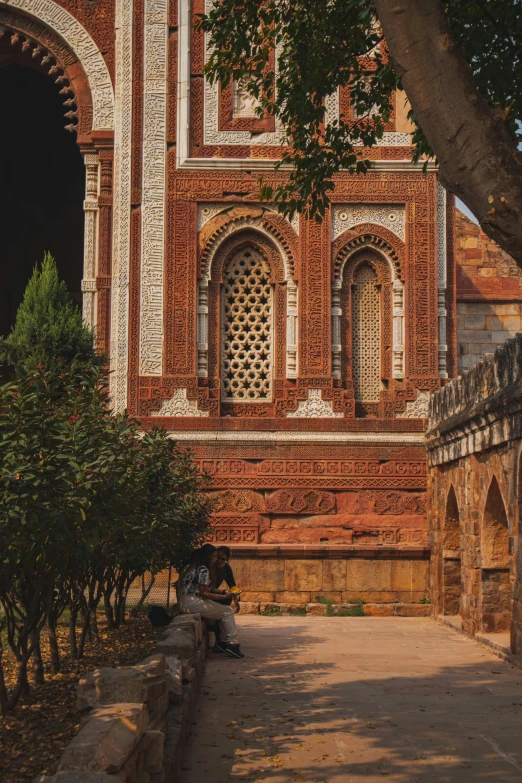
(49,330)
(325,45)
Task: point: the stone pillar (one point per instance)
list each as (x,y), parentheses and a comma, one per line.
(291,330)
(336,328)
(202,328)
(398,330)
(90,206)
(441,278)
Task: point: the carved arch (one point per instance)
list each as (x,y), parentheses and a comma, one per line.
(369,235)
(284,315)
(245,228)
(45,36)
(46,24)
(238,218)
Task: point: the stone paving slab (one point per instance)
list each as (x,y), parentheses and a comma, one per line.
(334,700)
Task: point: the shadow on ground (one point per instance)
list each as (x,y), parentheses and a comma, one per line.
(340,699)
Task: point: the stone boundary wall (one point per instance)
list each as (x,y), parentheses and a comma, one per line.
(474,447)
(137,718)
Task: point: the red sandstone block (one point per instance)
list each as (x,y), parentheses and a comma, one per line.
(473,252)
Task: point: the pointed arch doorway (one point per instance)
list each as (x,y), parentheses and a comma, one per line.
(43,185)
(451,557)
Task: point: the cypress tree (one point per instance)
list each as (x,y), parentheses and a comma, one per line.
(49,329)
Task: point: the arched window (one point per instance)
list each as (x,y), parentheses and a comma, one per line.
(366,331)
(451,557)
(247,328)
(366,343)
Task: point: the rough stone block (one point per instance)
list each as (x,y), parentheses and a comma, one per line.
(336,597)
(178,642)
(253,596)
(288,597)
(365,575)
(316,609)
(370,596)
(334,575)
(410,575)
(174,679)
(133,684)
(249,607)
(107,740)
(187,622)
(378,610)
(303,575)
(267,575)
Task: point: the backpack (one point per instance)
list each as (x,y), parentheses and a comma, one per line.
(158,616)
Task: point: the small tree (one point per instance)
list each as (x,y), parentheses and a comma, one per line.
(48,326)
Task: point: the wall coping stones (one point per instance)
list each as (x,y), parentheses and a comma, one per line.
(139,716)
(480,409)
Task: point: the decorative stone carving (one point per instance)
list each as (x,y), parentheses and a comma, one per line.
(247,318)
(418,409)
(245,104)
(301,501)
(314,408)
(178,405)
(90,244)
(237,501)
(366,334)
(122,206)
(153,198)
(211,132)
(76,36)
(391,216)
(442,277)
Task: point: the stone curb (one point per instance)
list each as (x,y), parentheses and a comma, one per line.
(138,717)
(497,649)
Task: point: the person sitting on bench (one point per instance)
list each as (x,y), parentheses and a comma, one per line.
(197,596)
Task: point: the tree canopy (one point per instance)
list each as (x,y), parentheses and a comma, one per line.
(459,61)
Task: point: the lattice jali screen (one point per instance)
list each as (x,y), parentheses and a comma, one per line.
(247,307)
(366,334)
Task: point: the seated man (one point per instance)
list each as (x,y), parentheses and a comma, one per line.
(196,595)
(222,572)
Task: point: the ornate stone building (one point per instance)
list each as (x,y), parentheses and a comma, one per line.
(295,358)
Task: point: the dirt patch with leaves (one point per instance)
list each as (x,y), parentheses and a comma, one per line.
(33,736)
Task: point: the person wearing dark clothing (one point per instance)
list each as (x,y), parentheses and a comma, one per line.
(222,572)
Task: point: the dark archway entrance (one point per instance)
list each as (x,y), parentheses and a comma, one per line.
(451,557)
(42,183)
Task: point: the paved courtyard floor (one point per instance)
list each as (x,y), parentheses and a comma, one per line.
(350,699)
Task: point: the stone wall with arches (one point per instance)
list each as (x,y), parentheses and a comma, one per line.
(474,445)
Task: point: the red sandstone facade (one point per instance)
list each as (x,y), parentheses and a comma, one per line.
(302,383)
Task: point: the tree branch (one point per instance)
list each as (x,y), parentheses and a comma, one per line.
(478,158)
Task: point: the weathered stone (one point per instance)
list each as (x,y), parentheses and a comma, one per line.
(249,607)
(107,740)
(178,642)
(378,610)
(303,575)
(140,683)
(187,622)
(316,609)
(174,679)
(364,575)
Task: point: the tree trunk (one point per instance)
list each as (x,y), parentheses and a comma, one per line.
(478,159)
(83,636)
(145,590)
(38,667)
(109,613)
(73,646)
(53,645)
